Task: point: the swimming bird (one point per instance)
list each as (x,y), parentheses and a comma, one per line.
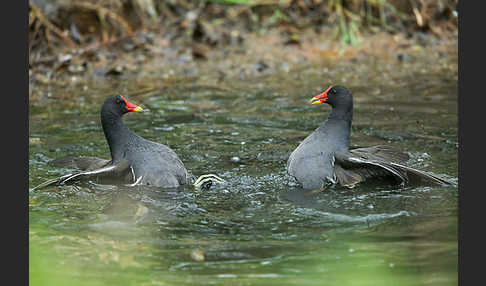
(134,159)
(324,158)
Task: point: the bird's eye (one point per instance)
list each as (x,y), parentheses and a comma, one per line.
(333,91)
(118,101)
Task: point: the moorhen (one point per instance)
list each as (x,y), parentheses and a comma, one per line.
(134,160)
(324,157)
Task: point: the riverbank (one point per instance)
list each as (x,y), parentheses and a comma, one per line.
(216,42)
(258,56)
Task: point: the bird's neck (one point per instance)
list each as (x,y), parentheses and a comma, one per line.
(339,125)
(342,112)
(116,133)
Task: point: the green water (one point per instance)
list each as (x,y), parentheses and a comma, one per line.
(255,230)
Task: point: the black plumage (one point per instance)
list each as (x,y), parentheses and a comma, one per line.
(324,157)
(134,160)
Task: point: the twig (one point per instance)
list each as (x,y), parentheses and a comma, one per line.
(49,26)
(418,16)
(108,42)
(104,11)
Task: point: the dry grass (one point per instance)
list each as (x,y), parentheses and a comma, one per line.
(89,24)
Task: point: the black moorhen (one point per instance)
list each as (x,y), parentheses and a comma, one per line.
(324,157)
(134,160)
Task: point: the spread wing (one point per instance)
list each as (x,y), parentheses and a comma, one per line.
(83,163)
(359,164)
(121,170)
(381,153)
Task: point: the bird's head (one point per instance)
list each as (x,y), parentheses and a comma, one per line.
(332,95)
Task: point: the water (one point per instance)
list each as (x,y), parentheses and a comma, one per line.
(255,230)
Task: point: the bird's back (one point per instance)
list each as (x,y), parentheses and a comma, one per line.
(157,164)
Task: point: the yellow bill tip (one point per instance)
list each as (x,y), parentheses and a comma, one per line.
(315,100)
